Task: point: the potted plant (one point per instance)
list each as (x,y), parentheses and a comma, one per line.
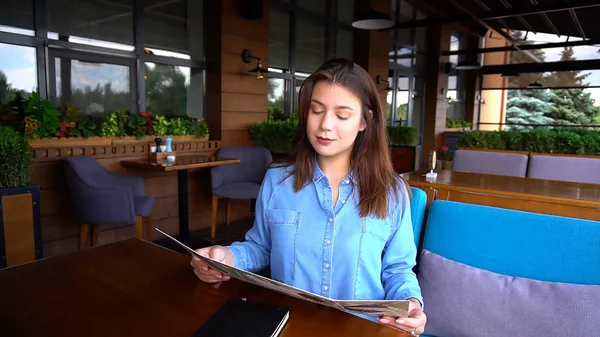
(445,156)
(20,201)
(404,147)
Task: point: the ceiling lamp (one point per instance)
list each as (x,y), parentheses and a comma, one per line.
(247,57)
(373,20)
(510,74)
(535,85)
(468,65)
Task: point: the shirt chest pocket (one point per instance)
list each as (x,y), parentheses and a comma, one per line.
(376,229)
(282,217)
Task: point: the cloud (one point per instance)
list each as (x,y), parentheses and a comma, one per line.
(24,79)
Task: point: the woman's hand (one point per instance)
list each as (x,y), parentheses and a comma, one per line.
(204,272)
(413,324)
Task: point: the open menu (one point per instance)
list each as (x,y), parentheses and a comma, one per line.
(376,308)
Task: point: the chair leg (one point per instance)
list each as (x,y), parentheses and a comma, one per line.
(228,212)
(215,207)
(149,227)
(84,229)
(94,235)
(139,227)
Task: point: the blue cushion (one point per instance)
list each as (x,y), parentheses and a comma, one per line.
(417,211)
(515,243)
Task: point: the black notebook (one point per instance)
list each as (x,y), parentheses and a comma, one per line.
(245,319)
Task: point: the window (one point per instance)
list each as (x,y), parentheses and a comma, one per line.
(277,94)
(406,59)
(174,26)
(279,36)
(92,84)
(565,99)
(17,71)
(310,45)
(110,21)
(303,34)
(170,90)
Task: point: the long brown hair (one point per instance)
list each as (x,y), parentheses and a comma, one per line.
(370,159)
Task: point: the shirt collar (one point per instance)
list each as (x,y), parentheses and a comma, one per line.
(319,175)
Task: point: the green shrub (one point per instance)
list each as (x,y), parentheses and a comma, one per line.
(277,136)
(15,156)
(565,141)
(403,135)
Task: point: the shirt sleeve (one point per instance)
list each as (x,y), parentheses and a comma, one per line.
(399,257)
(254,253)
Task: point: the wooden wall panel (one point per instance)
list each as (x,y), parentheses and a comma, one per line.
(249,84)
(243,102)
(236,138)
(241,120)
(235,43)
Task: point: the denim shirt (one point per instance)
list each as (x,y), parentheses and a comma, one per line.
(329,249)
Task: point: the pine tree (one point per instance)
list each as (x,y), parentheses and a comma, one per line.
(528,107)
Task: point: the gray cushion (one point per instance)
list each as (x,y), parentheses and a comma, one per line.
(143,205)
(577,169)
(465,301)
(500,163)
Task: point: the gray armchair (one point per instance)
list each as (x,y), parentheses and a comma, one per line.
(238,181)
(100,197)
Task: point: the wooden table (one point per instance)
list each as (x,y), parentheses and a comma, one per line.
(562,198)
(135,288)
(181,164)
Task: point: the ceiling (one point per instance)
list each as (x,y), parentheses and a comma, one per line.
(577,22)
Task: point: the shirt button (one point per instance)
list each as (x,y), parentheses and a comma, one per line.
(347,181)
(343,201)
(325,288)
(328,242)
(330,219)
(326,265)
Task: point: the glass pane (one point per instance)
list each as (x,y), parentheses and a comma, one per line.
(310,45)
(174,26)
(16,16)
(277,106)
(17,71)
(298,85)
(317,6)
(279,37)
(345,11)
(345,44)
(402,107)
(95,88)
(174,90)
(454,45)
(110,20)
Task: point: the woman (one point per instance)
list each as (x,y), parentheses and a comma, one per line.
(335,219)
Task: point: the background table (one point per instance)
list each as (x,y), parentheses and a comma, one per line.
(181,164)
(136,288)
(561,198)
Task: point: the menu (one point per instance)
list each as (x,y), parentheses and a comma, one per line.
(393,308)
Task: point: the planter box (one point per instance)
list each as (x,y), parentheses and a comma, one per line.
(20,226)
(405,158)
(72,141)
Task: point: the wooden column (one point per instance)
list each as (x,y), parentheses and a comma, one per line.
(436,90)
(235,98)
(371,48)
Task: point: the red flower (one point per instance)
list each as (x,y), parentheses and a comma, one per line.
(444,148)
